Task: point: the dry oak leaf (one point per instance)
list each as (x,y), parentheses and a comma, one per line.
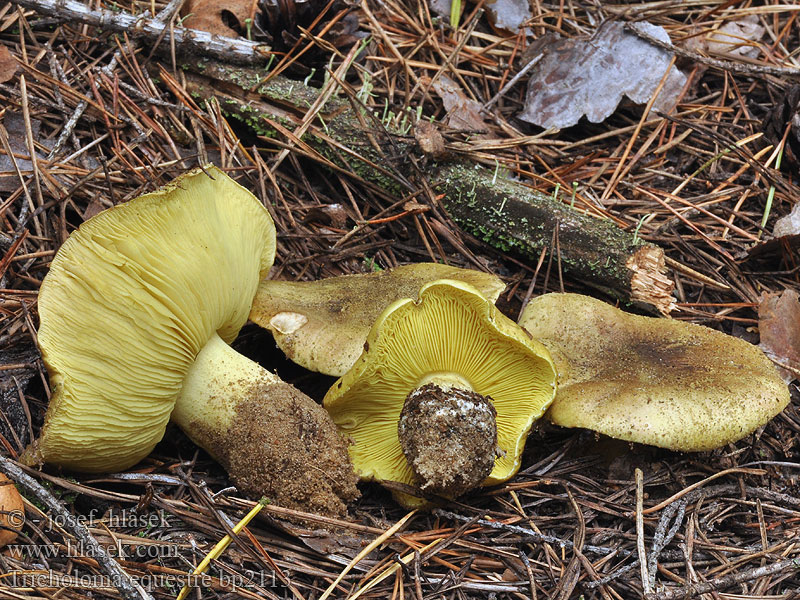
(217,17)
(463,113)
(578,77)
(736,38)
(510,15)
(779,326)
(8,64)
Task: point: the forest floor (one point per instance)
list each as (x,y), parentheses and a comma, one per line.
(110,114)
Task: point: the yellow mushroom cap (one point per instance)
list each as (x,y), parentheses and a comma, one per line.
(130,299)
(654,381)
(451,332)
(322,325)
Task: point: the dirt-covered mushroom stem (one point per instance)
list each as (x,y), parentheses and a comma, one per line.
(272,439)
(449,437)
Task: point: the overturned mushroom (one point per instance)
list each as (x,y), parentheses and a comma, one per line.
(135,318)
(653,381)
(322,325)
(444,395)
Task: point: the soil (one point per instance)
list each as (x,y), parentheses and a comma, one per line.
(288,450)
(449,438)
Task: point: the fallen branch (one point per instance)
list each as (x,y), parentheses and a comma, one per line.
(518,220)
(507,215)
(127,587)
(188,41)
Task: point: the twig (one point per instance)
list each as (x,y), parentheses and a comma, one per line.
(721,583)
(532,535)
(698,484)
(128,588)
(522,72)
(662,537)
(238,51)
(640,547)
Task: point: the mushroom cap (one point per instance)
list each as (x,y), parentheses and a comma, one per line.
(654,381)
(451,329)
(130,300)
(322,325)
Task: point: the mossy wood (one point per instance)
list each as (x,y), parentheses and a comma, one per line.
(505,214)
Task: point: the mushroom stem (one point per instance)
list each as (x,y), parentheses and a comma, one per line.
(263,431)
(218,380)
(448,434)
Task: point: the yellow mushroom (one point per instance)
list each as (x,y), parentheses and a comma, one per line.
(322,325)
(653,381)
(442,378)
(136,314)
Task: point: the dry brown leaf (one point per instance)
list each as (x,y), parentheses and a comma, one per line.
(735,38)
(440,7)
(779,326)
(463,114)
(15,126)
(8,64)
(331,214)
(216,16)
(589,77)
(430,139)
(788,225)
(510,15)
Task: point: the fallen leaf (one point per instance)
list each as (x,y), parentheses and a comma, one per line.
(510,15)
(779,326)
(788,225)
(441,7)
(463,114)
(8,64)
(735,38)
(430,139)
(15,126)
(589,77)
(331,214)
(217,17)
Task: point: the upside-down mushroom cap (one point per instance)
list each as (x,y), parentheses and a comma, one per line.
(322,325)
(454,332)
(148,283)
(654,381)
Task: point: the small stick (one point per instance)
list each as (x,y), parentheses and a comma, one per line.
(532,63)
(721,583)
(700,483)
(202,43)
(640,547)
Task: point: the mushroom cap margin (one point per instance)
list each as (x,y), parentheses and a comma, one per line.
(322,325)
